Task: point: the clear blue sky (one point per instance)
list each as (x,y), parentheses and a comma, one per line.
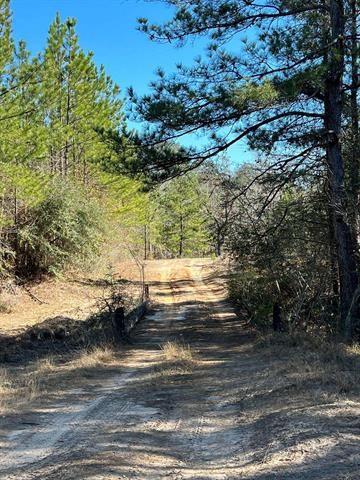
(108,28)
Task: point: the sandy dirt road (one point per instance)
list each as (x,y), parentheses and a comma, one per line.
(228,417)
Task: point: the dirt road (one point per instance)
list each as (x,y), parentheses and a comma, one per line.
(227,415)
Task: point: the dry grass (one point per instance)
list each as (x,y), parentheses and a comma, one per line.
(94,357)
(45,366)
(178,359)
(313,363)
(5,383)
(75,294)
(174,351)
(4,307)
(8,302)
(18,388)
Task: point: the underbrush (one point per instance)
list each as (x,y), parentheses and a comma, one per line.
(18,386)
(249,292)
(64,229)
(312,362)
(301,302)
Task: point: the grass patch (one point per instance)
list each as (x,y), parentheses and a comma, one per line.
(178,359)
(94,357)
(7,302)
(315,363)
(174,351)
(19,387)
(17,390)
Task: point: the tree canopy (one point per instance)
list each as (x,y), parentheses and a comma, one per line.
(283,75)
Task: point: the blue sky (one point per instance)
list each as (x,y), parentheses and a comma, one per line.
(108,28)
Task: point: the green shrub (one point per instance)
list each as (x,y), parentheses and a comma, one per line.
(253,296)
(63,229)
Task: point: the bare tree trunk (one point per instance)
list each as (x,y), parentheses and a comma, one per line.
(145,242)
(181,241)
(218,242)
(67,123)
(334,271)
(276,317)
(346,251)
(354,170)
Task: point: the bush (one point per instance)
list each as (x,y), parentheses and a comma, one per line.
(303,308)
(253,296)
(63,229)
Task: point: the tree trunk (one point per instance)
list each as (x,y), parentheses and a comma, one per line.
(181,240)
(334,271)
(346,251)
(276,317)
(218,243)
(354,167)
(145,243)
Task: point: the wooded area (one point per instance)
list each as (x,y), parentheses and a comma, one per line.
(64,194)
(282,75)
(180,261)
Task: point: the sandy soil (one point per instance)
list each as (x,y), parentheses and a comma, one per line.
(77,296)
(230,415)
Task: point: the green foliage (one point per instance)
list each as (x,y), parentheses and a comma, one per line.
(30,186)
(61,186)
(6,42)
(78,99)
(253,94)
(183,231)
(64,228)
(124,198)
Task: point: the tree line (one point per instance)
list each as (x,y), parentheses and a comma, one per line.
(283,75)
(64,188)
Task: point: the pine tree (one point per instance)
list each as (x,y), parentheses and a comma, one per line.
(6,41)
(184,227)
(79,100)
(53,111)
(285,91)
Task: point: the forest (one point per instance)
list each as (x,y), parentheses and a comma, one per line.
(74,176)
(64,192)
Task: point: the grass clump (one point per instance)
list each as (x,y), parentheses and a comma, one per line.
(313,363)
(17,390)
(94,357)
(174,351)
(178,359)
(7,301)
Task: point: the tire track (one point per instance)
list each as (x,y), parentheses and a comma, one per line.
(135,430)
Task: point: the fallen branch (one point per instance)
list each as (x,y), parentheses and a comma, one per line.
(34,297)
